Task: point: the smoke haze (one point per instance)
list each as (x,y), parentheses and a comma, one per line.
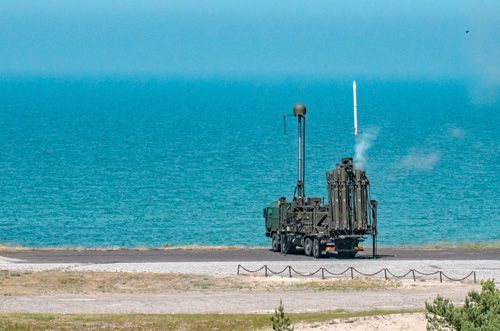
(482,50)
(456,133)
(363,143)
(420,159)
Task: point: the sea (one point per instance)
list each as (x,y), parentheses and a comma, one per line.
(151,162)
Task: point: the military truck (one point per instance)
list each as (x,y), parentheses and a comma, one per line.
(346,219)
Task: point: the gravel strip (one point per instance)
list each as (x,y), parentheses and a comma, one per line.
(456,269)
(230,302)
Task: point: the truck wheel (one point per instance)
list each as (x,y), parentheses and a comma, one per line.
(308,247)
(283,243)
(316,248)
(276,243)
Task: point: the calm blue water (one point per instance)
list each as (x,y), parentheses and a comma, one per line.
(94,162)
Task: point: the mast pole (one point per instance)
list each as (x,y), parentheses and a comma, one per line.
(299,110)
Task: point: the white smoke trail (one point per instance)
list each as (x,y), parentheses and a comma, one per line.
(363,143)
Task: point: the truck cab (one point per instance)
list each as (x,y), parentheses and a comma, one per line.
(272,219)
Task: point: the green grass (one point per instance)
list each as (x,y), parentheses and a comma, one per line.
(195,322)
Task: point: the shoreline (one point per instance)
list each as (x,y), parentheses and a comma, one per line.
(236,255)
(438,246)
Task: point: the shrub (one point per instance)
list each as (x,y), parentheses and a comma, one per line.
(481,311)
(280,321)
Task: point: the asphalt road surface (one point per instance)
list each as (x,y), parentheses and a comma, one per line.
(229,255)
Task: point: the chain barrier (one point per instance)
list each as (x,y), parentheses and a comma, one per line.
(324,272)
(398,276)
(306,275)
(472,273)
(278,272)
(336,274)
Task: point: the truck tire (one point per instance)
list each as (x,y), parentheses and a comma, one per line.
(316,248)
(283,243)
(308,246)
(276,243)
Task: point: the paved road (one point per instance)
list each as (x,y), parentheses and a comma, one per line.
(229,255)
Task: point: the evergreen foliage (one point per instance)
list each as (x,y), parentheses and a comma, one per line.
(481,311)
(281,322)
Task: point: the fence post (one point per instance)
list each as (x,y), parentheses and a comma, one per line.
(413,272)
(290,271)
(323,273)
(265,270)
(238,272)
(440,276)
(474,277)
(385,273)
(352,273)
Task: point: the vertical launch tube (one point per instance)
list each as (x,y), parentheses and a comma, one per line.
(355,108)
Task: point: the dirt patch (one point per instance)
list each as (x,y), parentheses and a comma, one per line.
(14,283)
(6,248)
(403,322)
(333,284)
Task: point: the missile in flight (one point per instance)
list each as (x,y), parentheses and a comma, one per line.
(355,109)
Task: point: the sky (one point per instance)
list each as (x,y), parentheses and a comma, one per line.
(402,39)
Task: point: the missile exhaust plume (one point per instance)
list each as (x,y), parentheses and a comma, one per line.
(363,143)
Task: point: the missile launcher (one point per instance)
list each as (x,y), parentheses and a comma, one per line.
(339,225)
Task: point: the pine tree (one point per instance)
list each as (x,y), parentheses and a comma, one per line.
(480,312)
(280,321)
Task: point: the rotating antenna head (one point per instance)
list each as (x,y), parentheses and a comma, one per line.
(299,110)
